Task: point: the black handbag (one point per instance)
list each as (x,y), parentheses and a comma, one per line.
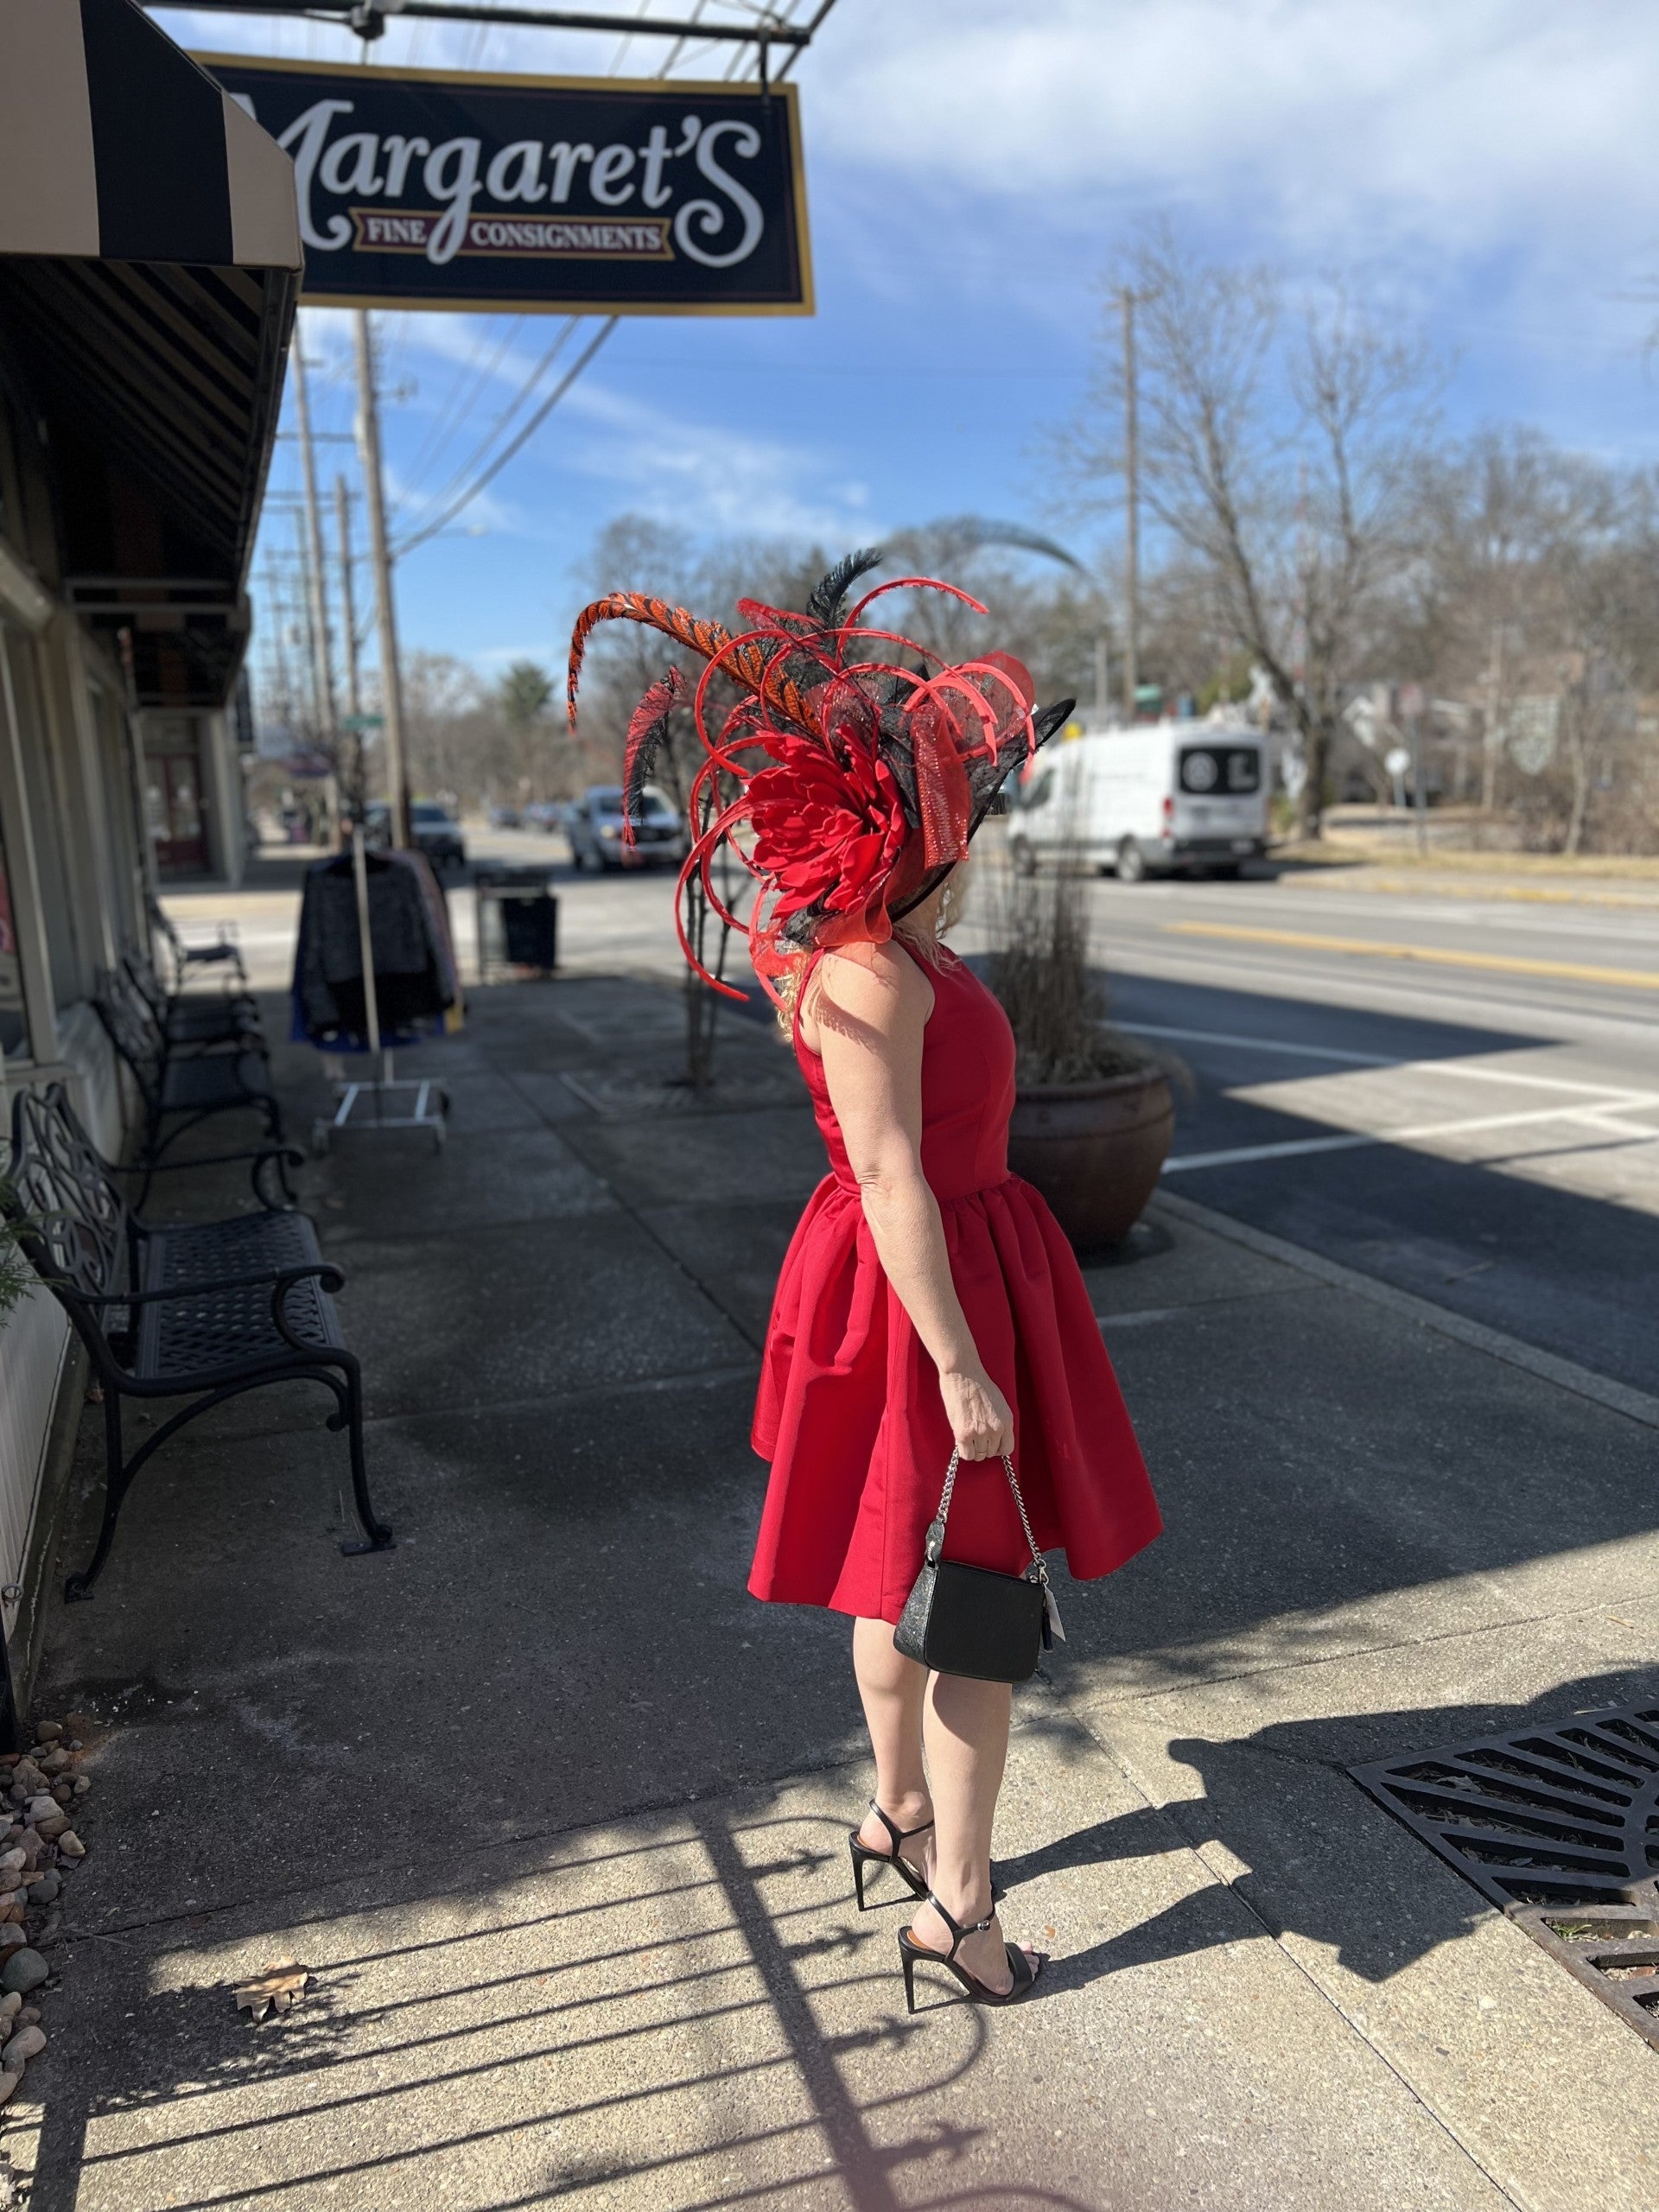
(971,1620)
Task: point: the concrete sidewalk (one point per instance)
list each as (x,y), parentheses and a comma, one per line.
(555,1814)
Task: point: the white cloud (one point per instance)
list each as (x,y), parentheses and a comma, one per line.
(707,476)
(1461,124)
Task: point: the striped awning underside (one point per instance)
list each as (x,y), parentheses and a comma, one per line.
(114,146)
(172,372)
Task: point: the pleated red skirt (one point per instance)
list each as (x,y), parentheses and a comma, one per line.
(849,1412)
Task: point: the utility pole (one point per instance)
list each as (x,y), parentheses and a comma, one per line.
(308,610)
(356,783)
(316,591)
(272,630)
(347,600)
(392,689)
(1126,300)
(1102,694)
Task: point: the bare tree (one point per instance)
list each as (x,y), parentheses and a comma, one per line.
(1279,452)
(1544,567)
(446,718)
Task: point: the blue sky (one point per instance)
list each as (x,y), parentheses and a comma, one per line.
(1487,169)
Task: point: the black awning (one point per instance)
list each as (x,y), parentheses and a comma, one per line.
(149,257)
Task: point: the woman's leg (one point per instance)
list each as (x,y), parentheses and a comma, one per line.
(892,1688)
(966,1727)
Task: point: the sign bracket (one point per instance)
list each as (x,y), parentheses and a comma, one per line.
(368,20)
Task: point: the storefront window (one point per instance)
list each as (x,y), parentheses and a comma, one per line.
(173,794)
(125,886)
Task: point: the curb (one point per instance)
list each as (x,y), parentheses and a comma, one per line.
(1548,1367)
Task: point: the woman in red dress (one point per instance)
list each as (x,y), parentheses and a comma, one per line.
(928,1301)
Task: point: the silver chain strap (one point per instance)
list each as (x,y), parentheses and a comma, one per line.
(944,1513)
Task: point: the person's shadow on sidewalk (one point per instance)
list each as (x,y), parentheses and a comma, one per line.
(1324,1859)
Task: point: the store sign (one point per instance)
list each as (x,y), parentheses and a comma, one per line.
(421,189)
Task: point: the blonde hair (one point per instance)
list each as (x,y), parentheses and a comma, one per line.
(926,944)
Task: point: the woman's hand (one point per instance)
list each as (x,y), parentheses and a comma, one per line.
(978,1413)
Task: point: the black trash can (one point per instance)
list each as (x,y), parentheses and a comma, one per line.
(517,921)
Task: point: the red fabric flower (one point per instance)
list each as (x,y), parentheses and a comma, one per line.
(826,829)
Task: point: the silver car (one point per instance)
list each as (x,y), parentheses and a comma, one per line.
(595,827)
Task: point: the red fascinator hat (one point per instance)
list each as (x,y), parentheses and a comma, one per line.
(853,781)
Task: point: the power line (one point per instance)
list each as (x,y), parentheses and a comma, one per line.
(474,459)
(508,451)
(472,376)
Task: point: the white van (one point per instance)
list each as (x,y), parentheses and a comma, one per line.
(1169,797)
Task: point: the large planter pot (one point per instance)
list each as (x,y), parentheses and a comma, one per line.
(1095,1150)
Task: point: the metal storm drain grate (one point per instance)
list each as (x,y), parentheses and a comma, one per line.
(1560,1828)
(1613,1950)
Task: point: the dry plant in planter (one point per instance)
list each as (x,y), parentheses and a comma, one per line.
(1094,1114)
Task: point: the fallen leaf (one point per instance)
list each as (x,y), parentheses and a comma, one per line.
(275,1989)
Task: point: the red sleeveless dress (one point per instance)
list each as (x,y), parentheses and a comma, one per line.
(849,1412)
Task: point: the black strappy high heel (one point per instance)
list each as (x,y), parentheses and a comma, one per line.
(864,1855)
(1021,1964)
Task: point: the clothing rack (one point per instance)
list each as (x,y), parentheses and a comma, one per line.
(380,1104)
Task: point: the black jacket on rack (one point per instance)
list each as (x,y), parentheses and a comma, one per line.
(415,979)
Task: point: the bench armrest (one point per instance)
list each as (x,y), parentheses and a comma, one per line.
(330,1276)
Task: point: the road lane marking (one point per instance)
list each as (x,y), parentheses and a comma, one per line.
(1504,963)
(1244,1155)
(1241,1155)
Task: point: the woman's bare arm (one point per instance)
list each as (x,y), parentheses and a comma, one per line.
(866,1012)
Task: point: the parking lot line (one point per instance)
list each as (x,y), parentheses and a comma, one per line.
(1631,979)
(1600,1094)
(1239,1155)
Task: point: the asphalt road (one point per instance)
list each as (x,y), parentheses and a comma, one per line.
(1460,1096)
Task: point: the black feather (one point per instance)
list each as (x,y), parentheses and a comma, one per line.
(828,597)
(1047,720)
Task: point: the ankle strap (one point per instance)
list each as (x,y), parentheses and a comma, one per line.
(896,1835)
(957,1931)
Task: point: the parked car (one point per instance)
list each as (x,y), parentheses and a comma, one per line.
(1162,798)
(435,831)
(546,815)
(504,818)
(595,826)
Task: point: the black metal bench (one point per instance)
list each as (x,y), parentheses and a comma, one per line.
(206,1018)
(221,951)
(204,1312)
(184,1088)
